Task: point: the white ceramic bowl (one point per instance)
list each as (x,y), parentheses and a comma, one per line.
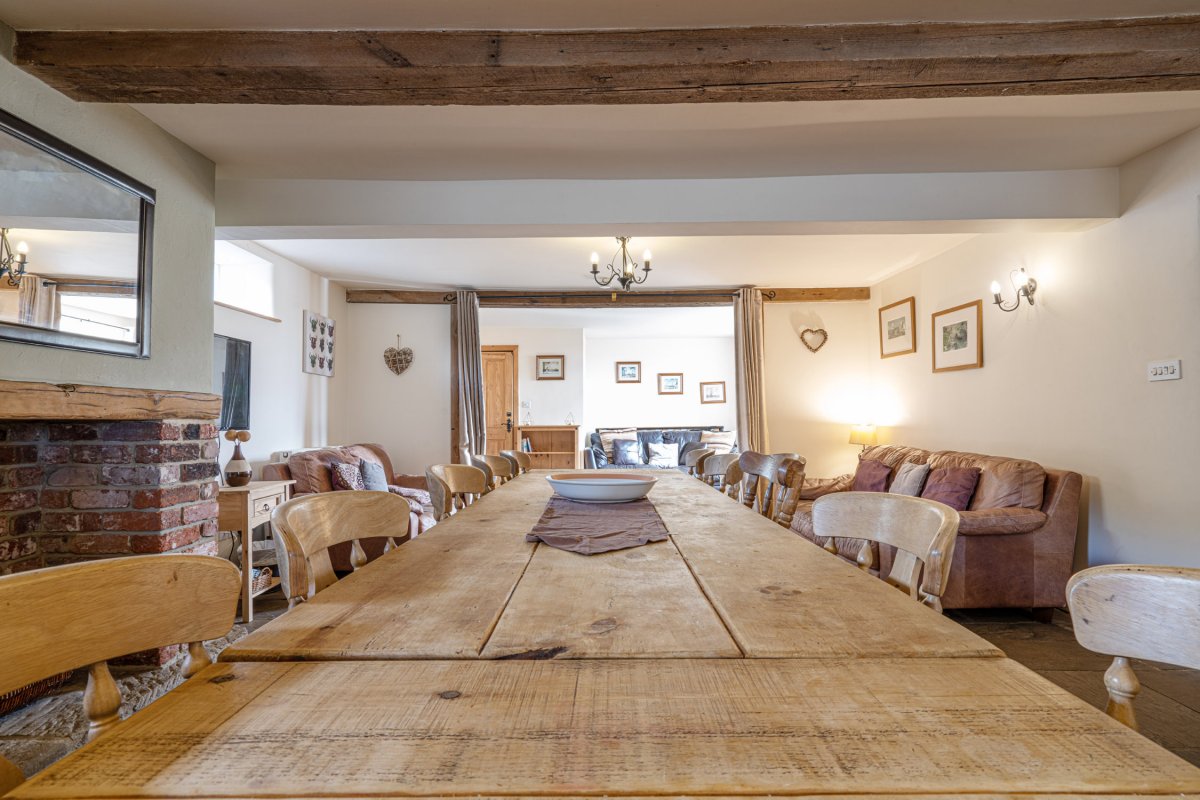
(607,487)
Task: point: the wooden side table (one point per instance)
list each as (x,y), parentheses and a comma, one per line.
(242,509)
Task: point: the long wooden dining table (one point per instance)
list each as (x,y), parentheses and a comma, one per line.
(733,659)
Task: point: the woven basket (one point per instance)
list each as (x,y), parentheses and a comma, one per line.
(262,580)
(11,701)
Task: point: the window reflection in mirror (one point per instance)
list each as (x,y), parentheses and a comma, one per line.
(74,247)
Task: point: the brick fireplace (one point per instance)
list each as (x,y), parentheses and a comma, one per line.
(94,472)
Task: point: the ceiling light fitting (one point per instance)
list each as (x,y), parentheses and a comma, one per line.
(12,261)
(626,274)
(1025,286)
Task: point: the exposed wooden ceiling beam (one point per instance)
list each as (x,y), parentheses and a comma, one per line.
(649,299)
(817,62)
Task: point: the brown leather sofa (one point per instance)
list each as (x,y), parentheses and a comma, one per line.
(1016,542)
(311,471)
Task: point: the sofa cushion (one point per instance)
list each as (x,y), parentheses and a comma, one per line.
(910,479)
(373,475)
(347,477)
(1003,482)
(663,455)
(681,437)
(599,457)
(311,469)
(951,485)
(1000,521)
(607,437)
(689,447)
(627,452)
(647,438)
(719,442)
(871,476)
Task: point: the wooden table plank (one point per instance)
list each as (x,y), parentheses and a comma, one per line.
(616,727)
(783,597)
(636,603)
(437,596)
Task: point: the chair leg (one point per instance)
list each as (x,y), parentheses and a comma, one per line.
(1043,615)
(1123,686)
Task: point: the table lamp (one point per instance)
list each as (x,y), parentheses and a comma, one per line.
(863,434)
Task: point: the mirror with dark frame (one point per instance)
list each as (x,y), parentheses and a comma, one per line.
(75,238)
(231,380)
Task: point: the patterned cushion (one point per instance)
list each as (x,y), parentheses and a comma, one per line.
(719,441)
(609,436)
(628,452)
(664,455)
(374,478)
(420,496)
(347,477)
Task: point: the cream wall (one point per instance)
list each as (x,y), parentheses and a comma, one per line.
(289,408)
(549,401)
(182,316)
(1064,382)
(812,399)
(409,414)
(611,404)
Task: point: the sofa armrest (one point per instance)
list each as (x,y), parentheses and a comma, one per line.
(818,487)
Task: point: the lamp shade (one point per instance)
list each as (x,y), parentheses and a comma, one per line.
(862,434)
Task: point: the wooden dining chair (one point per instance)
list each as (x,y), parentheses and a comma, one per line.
(1133,611)
(307,526)
(58,619)
(693,461)
(922,531)
(766,482)
(500,467)
(522,463)
(464,484)
(720,471)
(489,477)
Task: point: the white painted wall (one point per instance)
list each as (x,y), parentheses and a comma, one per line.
(1064,382)
(289,408)
(408,414)
(182,316)
(550,401)
(610,404)
(812,399)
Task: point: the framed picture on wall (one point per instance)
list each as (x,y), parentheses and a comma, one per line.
(958,337)
(550,368)
(712,392)
(629,372)
(897,336)
(318,344)
(670,383)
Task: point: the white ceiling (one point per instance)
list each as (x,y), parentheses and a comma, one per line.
(617,323)
(563,263)
(544,14)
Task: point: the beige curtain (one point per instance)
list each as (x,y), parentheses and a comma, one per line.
(751,393)
(469,365)
(38,302)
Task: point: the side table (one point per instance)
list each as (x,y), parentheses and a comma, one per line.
(242,509)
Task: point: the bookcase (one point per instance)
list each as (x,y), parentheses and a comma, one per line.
(552,446)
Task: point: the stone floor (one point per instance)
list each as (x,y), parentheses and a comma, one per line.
(1168,707)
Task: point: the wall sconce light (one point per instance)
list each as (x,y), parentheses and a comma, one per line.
(864,435)
(1025,286)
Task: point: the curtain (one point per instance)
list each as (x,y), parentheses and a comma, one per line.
(469,369)
(38,302)
(751,392)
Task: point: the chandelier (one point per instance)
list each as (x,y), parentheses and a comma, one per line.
(12,262)
(626,273)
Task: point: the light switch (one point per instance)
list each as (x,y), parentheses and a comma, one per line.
(1170,370)
(524,404)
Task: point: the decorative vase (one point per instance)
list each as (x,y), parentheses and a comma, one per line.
(237,470)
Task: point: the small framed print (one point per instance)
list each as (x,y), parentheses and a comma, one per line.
(897,337)
(670,383)
(629,372)
(550,368)
(958,337)
(712,392)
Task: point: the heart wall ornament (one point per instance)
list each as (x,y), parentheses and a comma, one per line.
(398,358)
(814,338)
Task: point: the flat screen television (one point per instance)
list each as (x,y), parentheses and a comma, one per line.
(231,380)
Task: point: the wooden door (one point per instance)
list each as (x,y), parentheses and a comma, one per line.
(500,396)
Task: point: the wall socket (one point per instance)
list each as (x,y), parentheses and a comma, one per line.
(1170,370)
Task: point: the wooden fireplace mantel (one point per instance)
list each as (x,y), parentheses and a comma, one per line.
(21,400)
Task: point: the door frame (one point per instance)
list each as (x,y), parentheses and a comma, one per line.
(514,349)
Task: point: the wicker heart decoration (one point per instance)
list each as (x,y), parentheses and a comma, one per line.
(819,338)
(398,359)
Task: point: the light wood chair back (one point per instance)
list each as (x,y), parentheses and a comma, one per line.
(489,477)
(439,495)
(464,484)
(307,526)
(721,470)
(1134,611)
(694,460)
(922,531)
(82,615)
(500,467)
(762,489)
(521,461)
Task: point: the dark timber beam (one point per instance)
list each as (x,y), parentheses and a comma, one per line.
(817,62)
(641,299)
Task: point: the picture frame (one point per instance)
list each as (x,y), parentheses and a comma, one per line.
(318,344)
(550,368)
(712,392)
(629,372)
(670,383)
(897,333)
(957,337)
